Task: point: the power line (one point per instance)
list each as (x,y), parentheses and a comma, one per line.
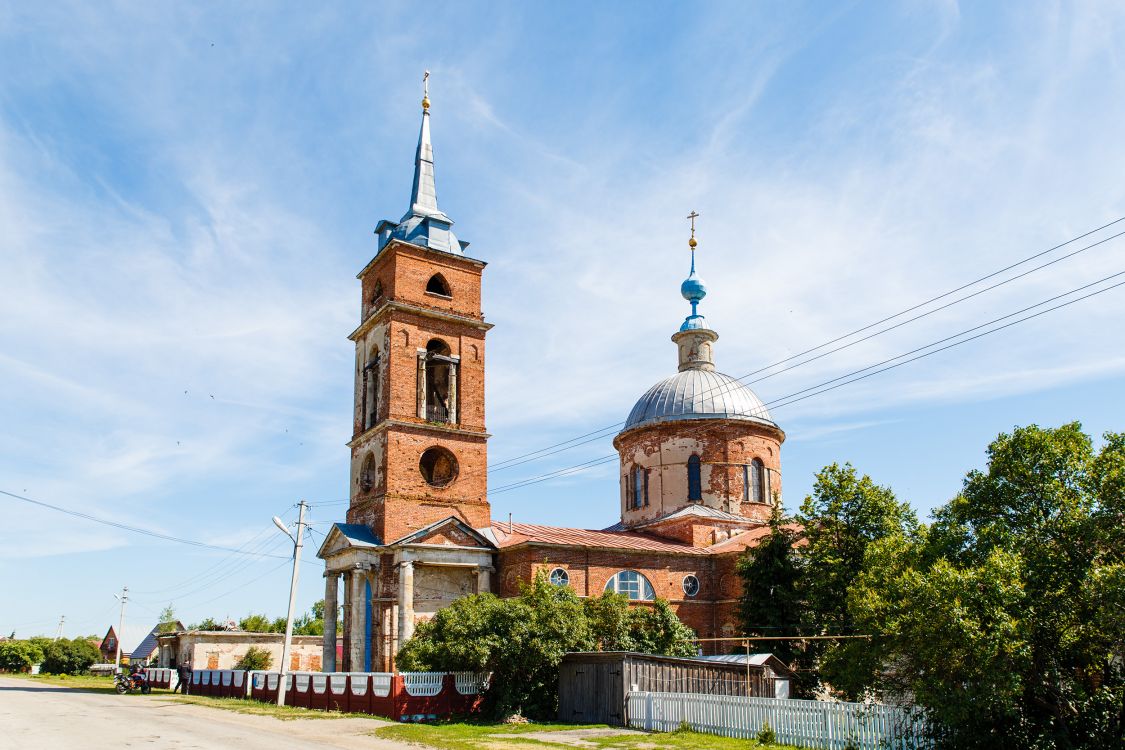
(790,398)
(595,435)
(134,529)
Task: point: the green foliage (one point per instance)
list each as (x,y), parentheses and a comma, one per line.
(804,592)
(167,620)
(844,514)
(1004,619)
(655,629)
(521,640)
(254,623)
(19,656)
(208,623)
(766,736)
(772,601)
(69,657)
(255,658)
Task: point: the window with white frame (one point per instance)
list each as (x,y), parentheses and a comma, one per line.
(560,577)
(631,584)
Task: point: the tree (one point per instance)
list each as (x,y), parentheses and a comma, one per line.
(208,623)
(255,658)
(19,656)
(843,515)
(1004,619)
(521,640)
(254,623)
(772,601)
(69,657)
(167,620)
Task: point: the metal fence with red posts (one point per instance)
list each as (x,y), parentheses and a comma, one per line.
(402,696)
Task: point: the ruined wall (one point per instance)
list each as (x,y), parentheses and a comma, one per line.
(208,650)
(724,447)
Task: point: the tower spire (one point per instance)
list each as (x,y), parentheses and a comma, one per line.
(423,198)
(423,224)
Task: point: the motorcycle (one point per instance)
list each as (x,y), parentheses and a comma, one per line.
(131,683)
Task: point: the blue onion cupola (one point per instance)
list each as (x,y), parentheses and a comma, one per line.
(693,289)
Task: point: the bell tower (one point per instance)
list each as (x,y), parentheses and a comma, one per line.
(418,447)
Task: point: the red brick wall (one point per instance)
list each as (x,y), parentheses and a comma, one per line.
(724,446)
(590,569)
(401,501)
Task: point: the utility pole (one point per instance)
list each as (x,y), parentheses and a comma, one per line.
(124,599)
(59,630)
(297,544)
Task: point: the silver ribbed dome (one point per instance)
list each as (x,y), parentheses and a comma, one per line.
(698,394)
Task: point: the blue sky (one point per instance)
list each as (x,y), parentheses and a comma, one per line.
(187,194)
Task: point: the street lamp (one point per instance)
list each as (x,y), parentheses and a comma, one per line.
(297,544)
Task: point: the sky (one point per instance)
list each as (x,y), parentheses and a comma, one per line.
(187,193)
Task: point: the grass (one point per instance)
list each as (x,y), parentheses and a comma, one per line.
(471,736)
(88,683)
(442,735)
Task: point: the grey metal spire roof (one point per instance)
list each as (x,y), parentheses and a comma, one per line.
(698,394)
(424,223)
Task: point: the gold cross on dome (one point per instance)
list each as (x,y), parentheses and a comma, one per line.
(692,217)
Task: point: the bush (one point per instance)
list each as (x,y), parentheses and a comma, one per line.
(19,656)
(766,736)
(521,640)
(69,657)
(255,658)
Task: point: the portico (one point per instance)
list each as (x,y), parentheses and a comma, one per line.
(389,588)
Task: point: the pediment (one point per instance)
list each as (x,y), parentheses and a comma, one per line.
(449,532)
(345,536)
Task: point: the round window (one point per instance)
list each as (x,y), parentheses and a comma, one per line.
(559,577)
(691,585)
(438,467)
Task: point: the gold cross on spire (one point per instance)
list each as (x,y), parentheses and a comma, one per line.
(426,90)
(692,217)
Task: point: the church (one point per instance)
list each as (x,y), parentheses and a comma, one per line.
(700,462)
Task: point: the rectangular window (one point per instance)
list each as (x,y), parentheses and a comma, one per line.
(638,487)
(646,486)
(745,483)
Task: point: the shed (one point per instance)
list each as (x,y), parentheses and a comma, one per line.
(593,685)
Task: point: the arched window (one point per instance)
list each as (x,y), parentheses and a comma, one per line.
(640,487)
(367,473)
(632,584)
(370,406)
(694,479)
(438,285)
(759,486)
(377,293)
(437,391)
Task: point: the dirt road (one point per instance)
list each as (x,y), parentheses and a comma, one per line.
(34,716)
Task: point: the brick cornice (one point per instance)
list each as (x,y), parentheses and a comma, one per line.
(394,306)
(387,424)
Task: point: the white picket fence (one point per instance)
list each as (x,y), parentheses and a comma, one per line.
(819,724)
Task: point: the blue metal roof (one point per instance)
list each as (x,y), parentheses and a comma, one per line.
(424,224)
(359,534)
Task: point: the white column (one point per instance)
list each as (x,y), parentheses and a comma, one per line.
(405,601)
(484,579)
(355,615)
(331,592)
